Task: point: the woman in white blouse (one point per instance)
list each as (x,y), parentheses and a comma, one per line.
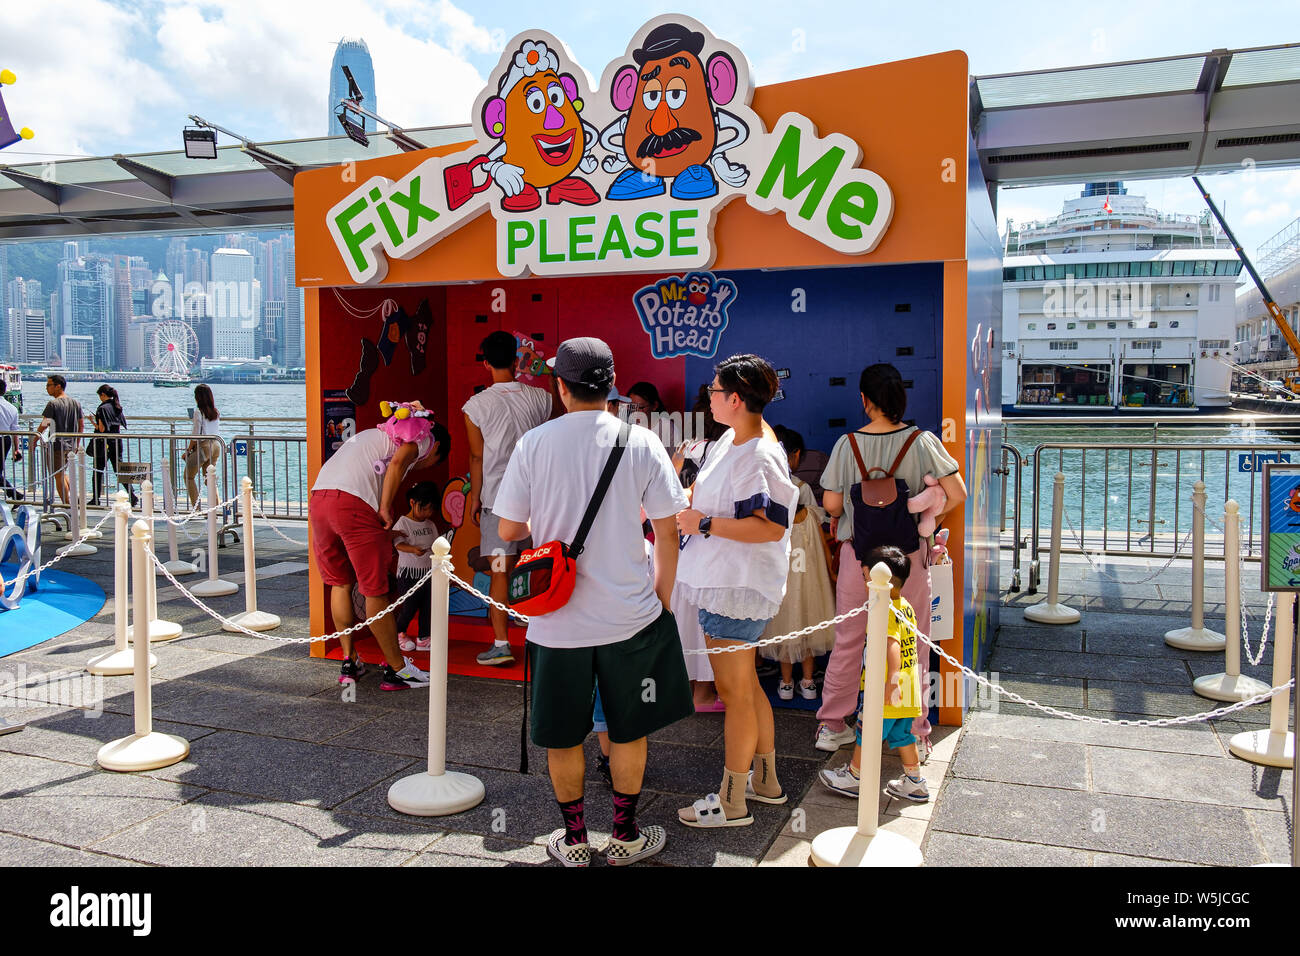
(733,569)
(202,452)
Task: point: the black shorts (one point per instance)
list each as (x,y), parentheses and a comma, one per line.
(642,680)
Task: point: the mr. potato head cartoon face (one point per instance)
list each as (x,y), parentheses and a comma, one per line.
(671,123)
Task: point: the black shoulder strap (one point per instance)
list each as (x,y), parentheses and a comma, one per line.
(602,486)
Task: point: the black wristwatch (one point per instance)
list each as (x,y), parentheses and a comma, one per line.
(705,525)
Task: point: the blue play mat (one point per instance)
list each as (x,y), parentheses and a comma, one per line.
(63,601)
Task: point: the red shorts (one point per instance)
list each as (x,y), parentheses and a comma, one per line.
(350,542)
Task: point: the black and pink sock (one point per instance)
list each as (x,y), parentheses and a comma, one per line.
(575,823)
(625,816)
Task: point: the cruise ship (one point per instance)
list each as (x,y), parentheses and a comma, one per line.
(1114,307)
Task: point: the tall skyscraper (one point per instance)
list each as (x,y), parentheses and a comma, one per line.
(356,56)
(295,344)
(174,264)
(196,267)
(123,307)
(236,305)
(6,342)
(88,306)
(30,344)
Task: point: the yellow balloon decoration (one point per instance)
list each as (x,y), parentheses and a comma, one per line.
(7,77)
(26,133)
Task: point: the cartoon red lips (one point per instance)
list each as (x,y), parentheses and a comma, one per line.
(555,150)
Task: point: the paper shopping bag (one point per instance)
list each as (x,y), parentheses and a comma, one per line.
(942,605)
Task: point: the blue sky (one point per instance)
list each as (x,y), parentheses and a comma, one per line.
(98,77)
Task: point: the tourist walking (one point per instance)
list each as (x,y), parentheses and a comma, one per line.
(109,422)
(495,419)
(8,423)
(62,416)
(733,570)
(615,631)
(203,451)
(885,445)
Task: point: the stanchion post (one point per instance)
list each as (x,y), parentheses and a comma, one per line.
(252,618)
(81,497)
(120,660)
(1230,685)
(1274,747)
(159,630)
(1197,637)
(213,586)
(1052,611)
(176,566)
(76,513)
(866,844)
(145,749)
(437,793)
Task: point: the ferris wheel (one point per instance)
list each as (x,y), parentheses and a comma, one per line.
(173,348)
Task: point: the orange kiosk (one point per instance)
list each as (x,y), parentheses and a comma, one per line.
(683,216)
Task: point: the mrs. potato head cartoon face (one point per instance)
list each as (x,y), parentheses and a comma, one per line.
(670,123)
(543,134)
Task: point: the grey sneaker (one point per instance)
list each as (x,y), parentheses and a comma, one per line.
(496,654)
(841,780)
(908,788)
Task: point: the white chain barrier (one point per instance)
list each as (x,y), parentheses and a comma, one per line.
(262,514)
(1178,553)
(230,625)
(1085,718)
(87,534)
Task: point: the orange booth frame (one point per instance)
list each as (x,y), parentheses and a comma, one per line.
(911,119)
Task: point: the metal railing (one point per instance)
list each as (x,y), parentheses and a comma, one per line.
(1132,499)
(28,474)
(1016,541)
(277,465)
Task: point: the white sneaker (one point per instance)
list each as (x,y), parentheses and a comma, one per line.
(830,741)
(412,674)
(841,780)
(908,788)
(807,690)
(785,691)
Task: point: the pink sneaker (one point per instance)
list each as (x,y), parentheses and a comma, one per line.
(405,643)
(422,643)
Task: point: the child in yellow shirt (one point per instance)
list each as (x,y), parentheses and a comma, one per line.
(902,693)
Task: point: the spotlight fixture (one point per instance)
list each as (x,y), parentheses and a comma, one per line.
(356,131)
(200,143)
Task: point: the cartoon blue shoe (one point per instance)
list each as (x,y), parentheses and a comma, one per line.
(694,182)
(635,184)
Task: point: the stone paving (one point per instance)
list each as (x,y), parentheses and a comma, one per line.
(1027,789)
(281,771)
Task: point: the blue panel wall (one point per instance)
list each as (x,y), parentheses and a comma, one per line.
(850,319)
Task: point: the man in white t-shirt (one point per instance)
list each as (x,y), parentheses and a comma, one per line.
(496,418)
(615,632)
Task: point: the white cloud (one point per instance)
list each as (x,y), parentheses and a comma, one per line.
(78,81)
(271,63)
(1277,212)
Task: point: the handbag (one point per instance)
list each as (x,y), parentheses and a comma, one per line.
(543,579)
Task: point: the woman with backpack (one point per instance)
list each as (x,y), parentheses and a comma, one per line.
(902,455)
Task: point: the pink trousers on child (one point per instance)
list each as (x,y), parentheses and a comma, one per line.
(844,670)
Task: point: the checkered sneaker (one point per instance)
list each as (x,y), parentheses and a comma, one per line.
(577,854)
(650,842)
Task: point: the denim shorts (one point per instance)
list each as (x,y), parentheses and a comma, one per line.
(731,628)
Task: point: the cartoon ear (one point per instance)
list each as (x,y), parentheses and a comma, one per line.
(570,86)
(623,90)
(721,70)
(494,116)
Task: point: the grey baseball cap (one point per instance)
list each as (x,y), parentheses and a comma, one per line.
(587,360)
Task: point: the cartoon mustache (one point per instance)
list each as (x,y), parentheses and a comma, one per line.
(673,139)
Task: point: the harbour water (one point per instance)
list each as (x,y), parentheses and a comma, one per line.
(143,400)
(1124,493)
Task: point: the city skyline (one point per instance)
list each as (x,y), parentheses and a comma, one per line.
(109,304)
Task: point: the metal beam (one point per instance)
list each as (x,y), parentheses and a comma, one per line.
(276,164)
(50,192)
(1211,79)
(157,181)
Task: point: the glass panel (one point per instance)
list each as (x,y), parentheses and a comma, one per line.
(1112,270)
(1091,83)
(1264,66)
